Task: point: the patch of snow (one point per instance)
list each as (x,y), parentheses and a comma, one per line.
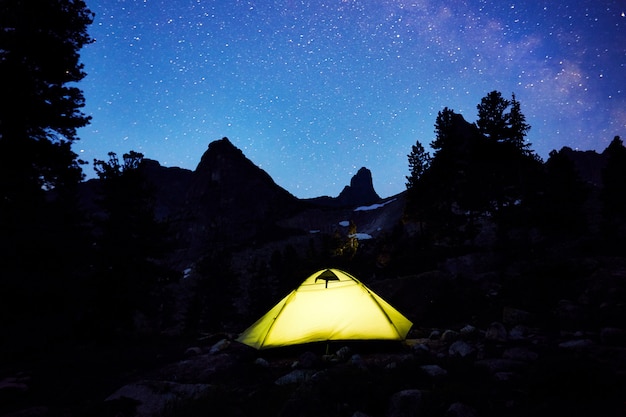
(374,206)
(186,273)
(344,223)
(314,231)
(361,236)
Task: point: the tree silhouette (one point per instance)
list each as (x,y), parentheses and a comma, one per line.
(40,112)
(492,119)
(508,164)
(518,128)
(419,162)
(447,182)
(130,241)
(560,208)
(477,170)
(416,204)
(614,193)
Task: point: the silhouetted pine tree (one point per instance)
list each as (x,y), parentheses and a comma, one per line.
(559,211)
(129,242)
(40,112)
(492,120)
(509,167)
(416,199)
(518,128)
(614,193)
(447,182)
(476,171)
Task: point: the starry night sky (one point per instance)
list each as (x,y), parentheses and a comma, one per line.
(311,91)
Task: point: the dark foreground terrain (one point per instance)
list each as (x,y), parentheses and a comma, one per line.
(509,346)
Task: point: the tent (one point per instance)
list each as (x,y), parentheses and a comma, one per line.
(329,305)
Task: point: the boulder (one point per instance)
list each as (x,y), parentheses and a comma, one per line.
(496,332)
(406,403)
(434,371)
(449,336)
(520,354)
(498,365)
(153,398)
(461,410)
(577,344)
(613,336)
(297,376)
(308,360)
(514,316)
(461,349)
(468,331)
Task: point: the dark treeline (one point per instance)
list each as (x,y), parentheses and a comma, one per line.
(486,174)
(63,271)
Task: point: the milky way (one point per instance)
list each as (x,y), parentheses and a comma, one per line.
(311,91)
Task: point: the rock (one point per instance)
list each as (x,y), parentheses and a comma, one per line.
(200,368)
(435,335)
(263,363)
(496,332)
(421,349)
(295,377)
(360,191)
(468,330)
(357,360)
(518,332)
(570,313)
(219,346)
(461,349)
(406,403)
(13,385)
(461,410)
(506,376)
(449,336)
(613,336)
(344,353)
(520,354)
(577,345)
(434,371)
(153,398)
(496,365)
(308,360)
(193,351)
(514,316)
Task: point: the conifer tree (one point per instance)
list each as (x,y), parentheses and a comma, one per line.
(614,192)
(130,240)
(518,128)
(492,119)
(419,162)
(40,112)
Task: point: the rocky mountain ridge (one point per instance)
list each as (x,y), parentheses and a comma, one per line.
(228,200)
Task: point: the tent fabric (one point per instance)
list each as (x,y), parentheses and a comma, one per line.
(329,305)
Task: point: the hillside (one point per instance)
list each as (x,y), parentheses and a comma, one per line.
(531,322)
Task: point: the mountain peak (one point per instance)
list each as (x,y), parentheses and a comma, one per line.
(360,191)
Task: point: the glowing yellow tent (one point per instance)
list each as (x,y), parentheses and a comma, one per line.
(329,305)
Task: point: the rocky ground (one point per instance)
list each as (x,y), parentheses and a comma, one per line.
(505,369)
(547,339)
